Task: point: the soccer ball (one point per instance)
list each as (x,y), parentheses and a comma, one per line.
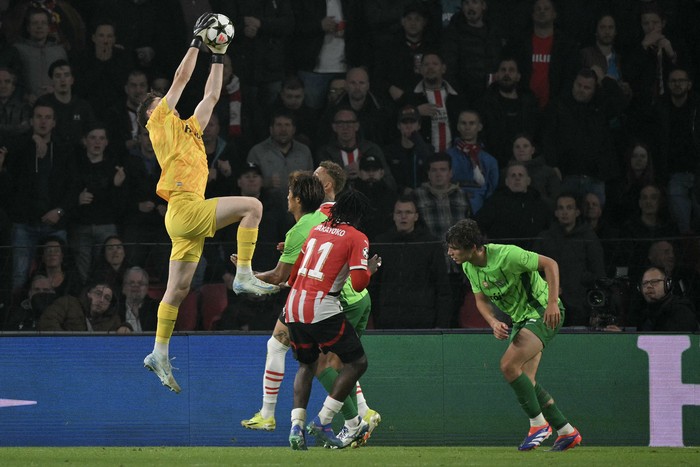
(220,33)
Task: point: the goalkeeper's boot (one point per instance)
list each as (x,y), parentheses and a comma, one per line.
(535,437)
(373,419)
(569,441)
(249,284)
(324,433)
(257,422)
(354,437)
(297,438)
(160,365)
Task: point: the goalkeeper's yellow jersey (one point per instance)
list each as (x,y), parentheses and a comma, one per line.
(180,152)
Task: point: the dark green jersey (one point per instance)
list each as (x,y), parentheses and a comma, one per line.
(511,281)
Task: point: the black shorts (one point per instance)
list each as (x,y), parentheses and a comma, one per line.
(334,334)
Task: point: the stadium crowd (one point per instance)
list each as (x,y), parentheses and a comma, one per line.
(568,128)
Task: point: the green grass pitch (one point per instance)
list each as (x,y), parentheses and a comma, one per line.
(366,456)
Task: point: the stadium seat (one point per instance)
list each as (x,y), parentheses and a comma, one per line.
(469,316)
(188,314)
(213,302)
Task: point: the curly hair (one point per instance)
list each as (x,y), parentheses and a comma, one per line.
(350,208)
(464,235)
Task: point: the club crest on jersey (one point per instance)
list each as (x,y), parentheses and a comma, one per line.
(485,284)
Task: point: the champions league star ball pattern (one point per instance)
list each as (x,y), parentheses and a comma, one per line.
(220,33)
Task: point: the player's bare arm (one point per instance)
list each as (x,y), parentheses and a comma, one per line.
(483,304)
(552,315)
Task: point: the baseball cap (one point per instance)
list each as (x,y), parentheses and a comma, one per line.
(370,163)
(250,167)
(408,113)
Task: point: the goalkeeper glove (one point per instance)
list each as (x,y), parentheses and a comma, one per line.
(200,27)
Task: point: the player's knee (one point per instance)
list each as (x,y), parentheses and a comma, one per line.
(276,347)
(509,369)
(358,366)
(281,337)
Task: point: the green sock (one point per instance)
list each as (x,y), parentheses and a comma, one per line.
(550,411)
(349,409)
(525,392)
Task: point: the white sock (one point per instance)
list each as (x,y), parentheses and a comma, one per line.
(274,373)
(565,430)
(538,420)
(353,423)
(161,348)
(362,407)
(330,408)
(298,417)
(244,270)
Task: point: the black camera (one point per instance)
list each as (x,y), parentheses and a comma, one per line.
(606,301)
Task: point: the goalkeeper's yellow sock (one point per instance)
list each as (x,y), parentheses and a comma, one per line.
(246,239)
(167,315)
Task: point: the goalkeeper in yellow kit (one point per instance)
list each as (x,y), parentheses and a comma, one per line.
(191,218)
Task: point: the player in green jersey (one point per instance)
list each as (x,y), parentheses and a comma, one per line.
(508,277)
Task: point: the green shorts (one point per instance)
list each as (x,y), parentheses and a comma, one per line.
(358,313)
(538,327)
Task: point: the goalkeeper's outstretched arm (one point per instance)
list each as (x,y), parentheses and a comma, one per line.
(212,90)
(182,77)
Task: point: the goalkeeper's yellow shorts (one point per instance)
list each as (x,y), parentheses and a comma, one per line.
(189,220)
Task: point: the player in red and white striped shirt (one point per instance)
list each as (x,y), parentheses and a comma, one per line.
(334,250)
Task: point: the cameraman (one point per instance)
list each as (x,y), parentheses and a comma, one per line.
(663,311)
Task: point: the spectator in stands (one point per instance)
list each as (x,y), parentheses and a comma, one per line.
(25,315)
(101,70)
(623,192)
(320,54)
(408,155)
(410,290)
(515,212)
(613,252)
(228,108)
(664,311)
(653,218)
(36,189)
(14,111)
(577,137)
(220,157)
(336,90)
(543,178)
(678,125)
(373,114)
(92,311)
(37,50)
(684,281)
(74,115)
(471,48)
(55,264)
(280,154)
(136,308)
(144,211)
(605,55)
(649,63)
(546,55)
(372,184)
(98,194)
(263,30)
(397,60)
(441,204)
(473,169)
(347,147)
(506,111)
(577,250)
(111,264)
(121,117)
(291,99)
(437,102)
(273,225)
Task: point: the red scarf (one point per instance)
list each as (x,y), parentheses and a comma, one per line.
(470,149)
